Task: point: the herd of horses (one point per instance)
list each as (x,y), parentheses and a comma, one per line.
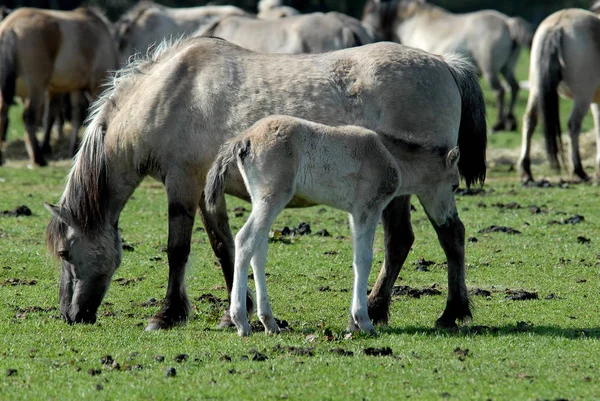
(283,110)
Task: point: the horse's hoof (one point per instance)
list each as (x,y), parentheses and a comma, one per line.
(444,324)
(244,330)
(225,322)
(156,323)
(499,126)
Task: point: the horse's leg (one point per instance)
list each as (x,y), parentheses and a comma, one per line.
(4,105)
(266,216)
(76,120)
(580,109)
(529,123)
(250,243)
(183,193)
(442,213)
(510,122)
(363,226)
(221,241)
(499,92)
(34,110)
(53,103)
(398,237)
(596,114)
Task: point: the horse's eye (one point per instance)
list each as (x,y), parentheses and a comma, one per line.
(64,254)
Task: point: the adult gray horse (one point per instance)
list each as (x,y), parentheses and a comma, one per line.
(489,38)
(149,23)
(564,60)
(306,33)
(168,116)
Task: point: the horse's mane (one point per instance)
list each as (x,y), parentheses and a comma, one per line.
(86,194)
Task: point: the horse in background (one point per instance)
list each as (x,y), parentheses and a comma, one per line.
(148,23)
(305,33)
(564,61)
(349,168)
(4,11)
(490,39)
(273,9)
(168,115)
(51,51)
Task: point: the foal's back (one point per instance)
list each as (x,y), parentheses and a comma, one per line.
(344,167)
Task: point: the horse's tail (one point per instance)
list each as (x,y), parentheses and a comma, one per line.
(215,179)
(548,78)
(472,133)
(8,66)
(521,31)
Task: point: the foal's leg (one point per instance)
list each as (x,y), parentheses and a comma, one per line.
(183,193)
(498,89)
(442,214)
(596,114)
(251,243)
(398,237)
(363,226)
(580,109)
(221,241)
(529,123)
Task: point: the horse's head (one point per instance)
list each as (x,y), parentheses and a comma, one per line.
(89,260)
(133,32)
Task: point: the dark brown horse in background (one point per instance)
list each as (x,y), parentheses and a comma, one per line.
(51,51)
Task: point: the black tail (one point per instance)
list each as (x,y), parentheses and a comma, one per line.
(8,66)
(472,133)
(215,179)
(549,76)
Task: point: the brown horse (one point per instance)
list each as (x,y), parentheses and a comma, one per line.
(51,51)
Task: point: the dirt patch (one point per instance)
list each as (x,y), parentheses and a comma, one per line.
(150,302)
(128,247)
(576,219)
(499,229)
(239,211)
(18,211)
(481,292)
(520,295)
(128,281)
(507,206)
(296,351)
(341,352)
(399,290)
(373,351)
(470,191)
(583,240)
(181,358)
(462,354)
(323,233)
(17,281)
(210,298)
(422,265)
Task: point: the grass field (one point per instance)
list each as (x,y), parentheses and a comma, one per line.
(544,348)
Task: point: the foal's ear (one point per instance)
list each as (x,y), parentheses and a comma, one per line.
(56,211)
(452,157)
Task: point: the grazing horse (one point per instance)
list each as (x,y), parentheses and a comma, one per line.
(167,117)
(54,51)
(564,60)
(349,168)
(149,23)
(489,38)
(306,33)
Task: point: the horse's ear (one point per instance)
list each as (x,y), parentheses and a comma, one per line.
(56,211)
(453,157)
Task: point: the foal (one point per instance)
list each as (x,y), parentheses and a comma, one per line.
(349,168)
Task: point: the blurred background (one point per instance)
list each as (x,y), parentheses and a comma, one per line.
(532,10)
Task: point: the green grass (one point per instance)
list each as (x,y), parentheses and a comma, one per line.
(537,349)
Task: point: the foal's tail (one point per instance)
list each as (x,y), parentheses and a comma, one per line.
(549,76)
(215,179)
(521,31)
(8,66)
(472,133)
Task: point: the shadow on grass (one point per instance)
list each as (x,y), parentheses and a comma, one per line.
(497,331)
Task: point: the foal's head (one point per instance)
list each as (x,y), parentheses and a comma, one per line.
(89,259)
